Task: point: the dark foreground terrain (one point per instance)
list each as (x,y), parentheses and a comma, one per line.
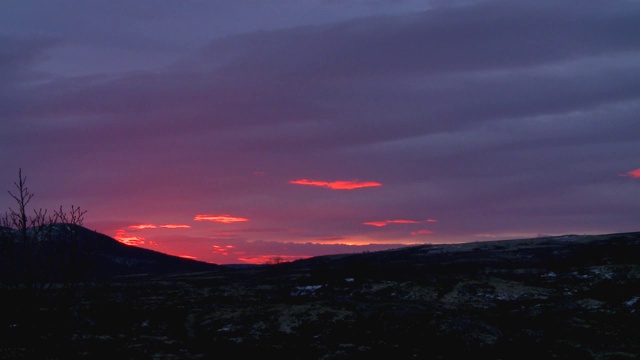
(568,297)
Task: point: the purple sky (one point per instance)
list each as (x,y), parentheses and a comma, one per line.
(291,129)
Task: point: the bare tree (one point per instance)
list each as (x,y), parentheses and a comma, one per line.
(32,256)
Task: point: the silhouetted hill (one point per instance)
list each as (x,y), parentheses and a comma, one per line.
(98,256)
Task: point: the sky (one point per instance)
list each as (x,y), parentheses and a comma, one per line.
(261,131)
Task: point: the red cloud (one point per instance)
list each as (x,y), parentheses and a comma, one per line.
(122,236)
(376,223)
(224,218)
(175,226)
(633,173)
(403,221)
(222,250)
(399,221)
(152,226)
(142,227)
(337,185)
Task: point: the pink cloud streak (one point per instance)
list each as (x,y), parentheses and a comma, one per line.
(337,185)
(398,221)
(633,173)
(224,218)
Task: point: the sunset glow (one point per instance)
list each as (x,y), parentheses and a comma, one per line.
(152,226)
(225,219)
(337,185)
(175,226)
(291,129)
(128,239)
(634,173)
(272,259)
(399,221)
(142,227)
(376,223)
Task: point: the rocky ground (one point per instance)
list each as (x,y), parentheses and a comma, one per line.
(571,297)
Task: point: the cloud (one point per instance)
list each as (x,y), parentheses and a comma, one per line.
(498,116)
(143,227)
(399,221)
(224,218)
(124,238)
(377,223)
(223,250)
(337,185)
(175,226)
(633,173)
(164,226)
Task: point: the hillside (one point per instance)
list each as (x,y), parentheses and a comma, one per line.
(92,256)
(558,297)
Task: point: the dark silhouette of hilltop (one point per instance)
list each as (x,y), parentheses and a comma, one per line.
(95,256)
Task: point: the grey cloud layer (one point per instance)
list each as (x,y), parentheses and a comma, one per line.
(492,116)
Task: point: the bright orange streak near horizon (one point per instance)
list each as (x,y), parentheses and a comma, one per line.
(337,185)
(403,221)
(122,237)
(225,219)
(142,227)
(399,221)
(175,226)
(376,223)
(272,259)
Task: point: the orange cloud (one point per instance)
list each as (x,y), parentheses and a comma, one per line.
(175,226)
(152,226)
(422,232)
(376,223)
(403,221)
(399,221)
(633,173)
(142,227)
(122,236)
(222,250)
(225,219)
(337,185)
